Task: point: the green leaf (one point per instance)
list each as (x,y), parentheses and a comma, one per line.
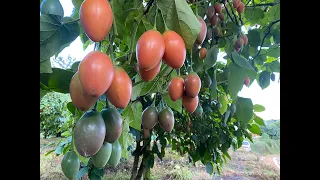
(177,105)
(77,3)
(274,66)
(254,38)
(258,120)
(211,57)
(232,27)
(75,66)
(137,88)
(255,129)
(242,62)
(209,168)
(66,134)
(274,13)
(150,161)
(43,92)
(263,79)
(93,176)
(197,63)
(244,109)
(59,80)
(274,51)
(227,155)
(125,139)
(82,172)
(276,36)
(49,152)
(213,87)
(180,18)
(258,108)
(45,66)
(236,78)
(99,172)
(133,113)
(253,14)
(54,34)
(71,108)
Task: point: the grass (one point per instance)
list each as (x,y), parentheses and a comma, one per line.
(244,165)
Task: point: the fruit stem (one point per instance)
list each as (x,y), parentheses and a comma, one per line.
(133,37)
(165,24)
(95,106)
(107,104)
(97,46)
(178,72)
(155,20)
(191,69)
(197,9)
(115,31)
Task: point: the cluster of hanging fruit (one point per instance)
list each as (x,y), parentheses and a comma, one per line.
(96,133)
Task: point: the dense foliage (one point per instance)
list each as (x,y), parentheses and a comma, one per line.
(221,119)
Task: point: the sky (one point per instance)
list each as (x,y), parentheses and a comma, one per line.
(269,97)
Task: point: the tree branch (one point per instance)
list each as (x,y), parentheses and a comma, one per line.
(136,162)
(228,14)
(148,6)
(264,37)
(266,4)
(235,17)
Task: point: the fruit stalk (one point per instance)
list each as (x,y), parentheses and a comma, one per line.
(228,12)
(135,162)
(235,17)
(165,24)
(135,28)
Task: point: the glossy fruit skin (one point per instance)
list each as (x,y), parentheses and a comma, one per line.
(203,31)
(240,8)
(150,49)
(273,77)
(166,120)
(113,123)
(236,3)
(96,73)
(96,18)
(176,88)
(216,31)
(247,81)
(70,165)
(115,154)
(210,11)
(209,34)
(245,40)
(100,159)
(221,17)
(189,103)
(119,92)
(198,111)
(79,98)
(223,100)
(149,117)
(148,76)
(238,44)
(217,7)
(146,133)
(214,20)
(51,7)
(175,49)
(203,53)
(192,84)
(89,133)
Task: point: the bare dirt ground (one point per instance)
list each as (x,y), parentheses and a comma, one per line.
(243,166)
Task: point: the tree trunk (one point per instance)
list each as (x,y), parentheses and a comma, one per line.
(135,163)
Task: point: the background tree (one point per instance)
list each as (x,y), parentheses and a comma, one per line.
(247,31)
